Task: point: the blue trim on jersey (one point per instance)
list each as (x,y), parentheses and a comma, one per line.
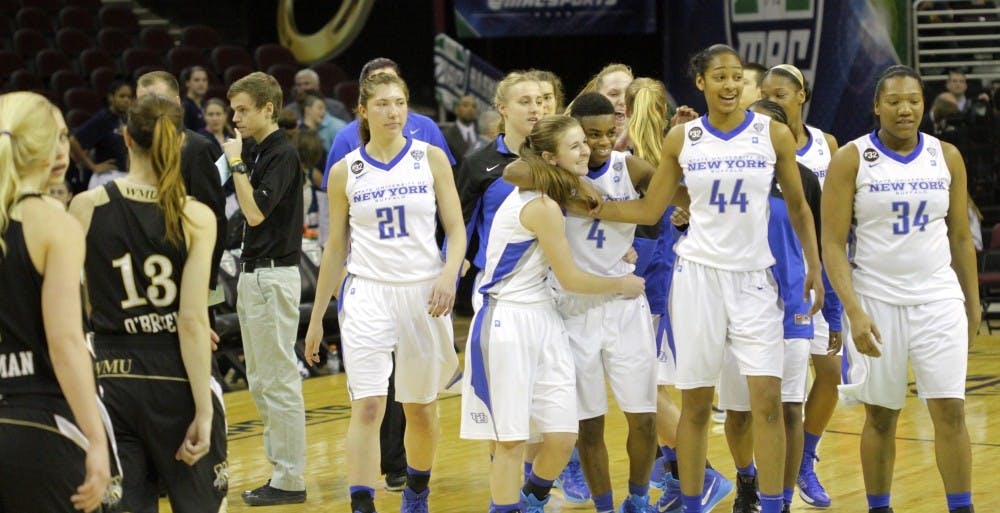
(833,308)
(512,254)
(488,204)
(340,297)
(809,142)
(789,271)
(502,146)
(596,172)
(725,136)
(477,375)
(392,163)
(902,159)
(845,367)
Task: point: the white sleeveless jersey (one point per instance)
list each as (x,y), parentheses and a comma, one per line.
(392,216)
(515,266)
(901,253)
(598,246)
(728,176)
(815,154)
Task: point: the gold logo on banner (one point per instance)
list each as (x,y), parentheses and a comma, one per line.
(329,41)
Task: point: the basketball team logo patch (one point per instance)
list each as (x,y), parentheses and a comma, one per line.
(357,166)
(417,154)
(695,133)
(618,166)
(772,32)
(870,155)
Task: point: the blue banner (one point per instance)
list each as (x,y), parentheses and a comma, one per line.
(459,72)
(534,18)
(841,46)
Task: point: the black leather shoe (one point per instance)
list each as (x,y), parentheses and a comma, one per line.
(268,495)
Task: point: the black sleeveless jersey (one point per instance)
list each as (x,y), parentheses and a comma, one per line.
(25,366)
(133,273)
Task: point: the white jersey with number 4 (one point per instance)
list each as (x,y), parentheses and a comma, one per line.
(393,212)
(598,246)
(728,176)
(901,251)
(815,154)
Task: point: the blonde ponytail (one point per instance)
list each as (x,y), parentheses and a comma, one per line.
(28,135)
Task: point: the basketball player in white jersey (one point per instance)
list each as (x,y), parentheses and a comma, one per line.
(610,335)
(722,288)
(519,373)
(397,293)
(912,267)
(789,271)
(785,85)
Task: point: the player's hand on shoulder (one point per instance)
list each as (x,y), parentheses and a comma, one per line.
(632,286)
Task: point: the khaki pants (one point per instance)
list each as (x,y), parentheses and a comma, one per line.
(268,306)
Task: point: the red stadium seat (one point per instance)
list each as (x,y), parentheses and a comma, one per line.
(78,18)
(93,58)
(88,4)
(157,39)
(230,55)
(49,6)
(36,19)
(285,75)
(10,62)
(135,58)
(101,79)
(28,42)
(24,80)
(142,70)
(329,76)
(347,92)
(114,41)
(83,98)
(217,91)
(76,118)
(234,73)
(49,61)
(65,79)
(72,41)
(200,36)
(180,58)
(113,16)
(268,55)
(8,8)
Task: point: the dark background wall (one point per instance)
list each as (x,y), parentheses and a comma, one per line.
(404,30)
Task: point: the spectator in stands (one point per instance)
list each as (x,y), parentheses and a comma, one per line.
(753,77)
(217,127)
(463,134)
(308,80)
(489,128)
(102,133)
(61,192)
(951,108)
(312,112)
(195,80)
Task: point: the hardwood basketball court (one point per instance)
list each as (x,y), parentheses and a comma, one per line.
(460,482)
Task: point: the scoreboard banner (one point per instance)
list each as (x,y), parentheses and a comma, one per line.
(535,18)
(841,46)
(459,72)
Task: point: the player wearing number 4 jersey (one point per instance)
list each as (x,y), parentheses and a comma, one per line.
(149,251)
(912,267)
(723,295)
(397,293)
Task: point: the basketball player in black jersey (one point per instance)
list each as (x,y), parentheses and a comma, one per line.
(149,248)
(54,446)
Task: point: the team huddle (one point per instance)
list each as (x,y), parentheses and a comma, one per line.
(615,246)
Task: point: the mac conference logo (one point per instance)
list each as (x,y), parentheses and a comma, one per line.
(772,32)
